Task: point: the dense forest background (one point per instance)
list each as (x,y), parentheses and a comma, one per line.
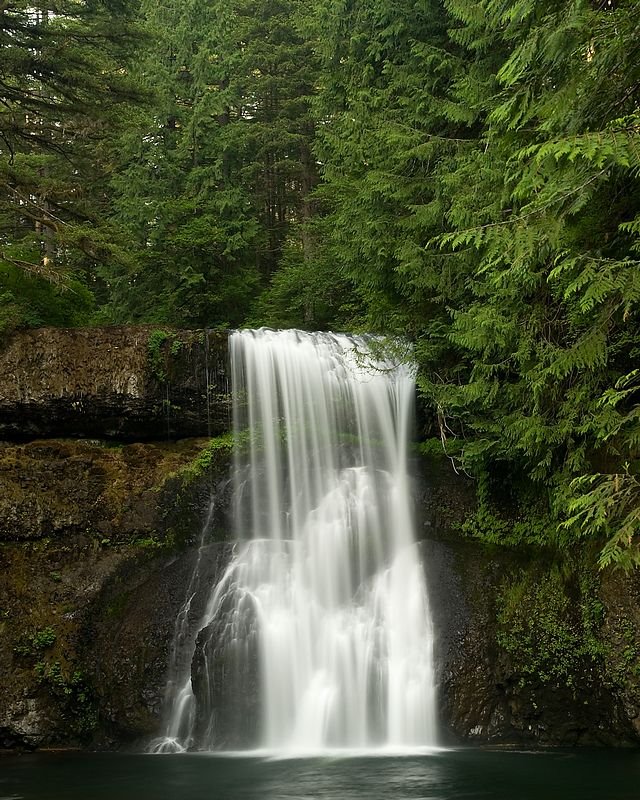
(464,175)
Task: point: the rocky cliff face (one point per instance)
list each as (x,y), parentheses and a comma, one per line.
(97,529)
(98,538)
(126,384)
(533,646)
(549,682)
(96,545)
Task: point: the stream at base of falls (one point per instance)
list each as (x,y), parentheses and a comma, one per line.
(461,774)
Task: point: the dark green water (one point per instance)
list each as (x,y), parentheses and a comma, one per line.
(454,775)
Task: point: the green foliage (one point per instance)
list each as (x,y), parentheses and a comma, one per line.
(524,527)
(157,355)
(27,300)
(548,627)
(65,88)
(71,689)
(608,506)
(210,455)
(34,643)
(152,543)
(213,179)
(480,169)
(434,446)
(623,662)
(306,293)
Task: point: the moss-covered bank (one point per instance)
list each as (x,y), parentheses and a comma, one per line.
(534,647)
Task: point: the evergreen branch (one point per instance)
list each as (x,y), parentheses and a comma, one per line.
(39,271)
(432,136)
(447,237)
(48,219)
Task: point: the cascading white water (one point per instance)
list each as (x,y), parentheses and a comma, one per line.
(320,627)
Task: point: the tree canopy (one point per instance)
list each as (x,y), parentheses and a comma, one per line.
(64,88)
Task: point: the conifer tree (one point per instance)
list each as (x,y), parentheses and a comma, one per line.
(216,175)
(552,323)
(481,179)
(389,120)
(63,84)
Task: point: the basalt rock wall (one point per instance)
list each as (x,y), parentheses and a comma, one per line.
(104,496)
(119,383)
(534,645)
(97,544)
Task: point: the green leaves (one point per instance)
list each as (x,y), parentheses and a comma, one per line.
(481,184)
(608,506)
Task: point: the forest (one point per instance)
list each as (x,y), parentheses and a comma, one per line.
(462,176)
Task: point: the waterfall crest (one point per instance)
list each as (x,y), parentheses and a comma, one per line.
(319,634)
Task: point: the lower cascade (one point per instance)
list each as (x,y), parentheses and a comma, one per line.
(318,635)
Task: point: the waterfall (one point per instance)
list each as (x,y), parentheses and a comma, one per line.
(318,636)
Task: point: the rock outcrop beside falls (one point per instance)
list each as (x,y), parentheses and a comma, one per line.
(121,383)
(534,646)
(96,548)
(98,529)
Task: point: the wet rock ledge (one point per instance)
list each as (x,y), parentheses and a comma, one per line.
(134,383)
